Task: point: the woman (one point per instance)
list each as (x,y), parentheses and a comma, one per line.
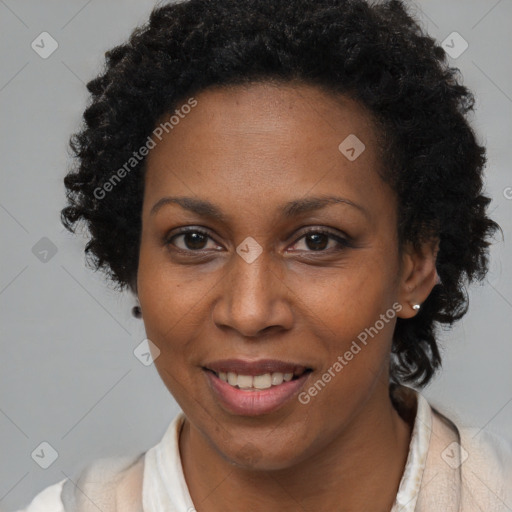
(293,192)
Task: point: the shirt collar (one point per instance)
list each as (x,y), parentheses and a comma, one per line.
(164,486)
(410,483)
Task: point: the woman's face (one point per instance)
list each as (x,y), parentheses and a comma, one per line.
(271,279)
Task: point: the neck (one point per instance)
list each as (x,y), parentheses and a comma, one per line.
(359,471)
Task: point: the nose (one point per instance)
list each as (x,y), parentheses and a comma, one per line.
(254,297)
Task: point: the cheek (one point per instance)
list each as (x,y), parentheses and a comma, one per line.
(167,302)
(350,299)
(353,342)
(170,298)
(162,297)
(353,313)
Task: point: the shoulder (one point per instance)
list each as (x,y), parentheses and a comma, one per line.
(114,482)
(488,455)
(489,444)
(465,469)
(478,448)
(483,462)
(47,500)
(487,470)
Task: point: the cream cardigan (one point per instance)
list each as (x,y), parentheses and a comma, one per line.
(448,470)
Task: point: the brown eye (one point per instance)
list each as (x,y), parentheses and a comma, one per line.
(193,240)
(318,241)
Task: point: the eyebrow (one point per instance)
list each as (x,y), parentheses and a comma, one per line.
(290,209)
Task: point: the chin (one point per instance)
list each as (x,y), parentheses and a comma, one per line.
(263,456)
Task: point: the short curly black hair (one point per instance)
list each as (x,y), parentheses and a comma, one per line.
(376,54)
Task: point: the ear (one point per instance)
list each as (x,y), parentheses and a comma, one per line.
(418,275)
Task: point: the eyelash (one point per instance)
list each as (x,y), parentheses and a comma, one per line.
(343,243)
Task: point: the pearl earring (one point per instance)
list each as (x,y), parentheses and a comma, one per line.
(416,307)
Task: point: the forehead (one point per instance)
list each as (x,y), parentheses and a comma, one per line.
(265,139)
(274,109)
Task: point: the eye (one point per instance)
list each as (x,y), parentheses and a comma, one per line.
(194,240)
(318,241)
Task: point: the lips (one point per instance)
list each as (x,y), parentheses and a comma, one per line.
(255,387)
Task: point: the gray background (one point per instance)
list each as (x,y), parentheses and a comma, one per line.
(68,374)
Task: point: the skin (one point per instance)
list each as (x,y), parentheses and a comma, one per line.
(248,150)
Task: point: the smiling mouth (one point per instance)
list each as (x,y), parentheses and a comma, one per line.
(258,382)
(258,387)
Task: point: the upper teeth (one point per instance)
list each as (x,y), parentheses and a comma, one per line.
(255,382)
